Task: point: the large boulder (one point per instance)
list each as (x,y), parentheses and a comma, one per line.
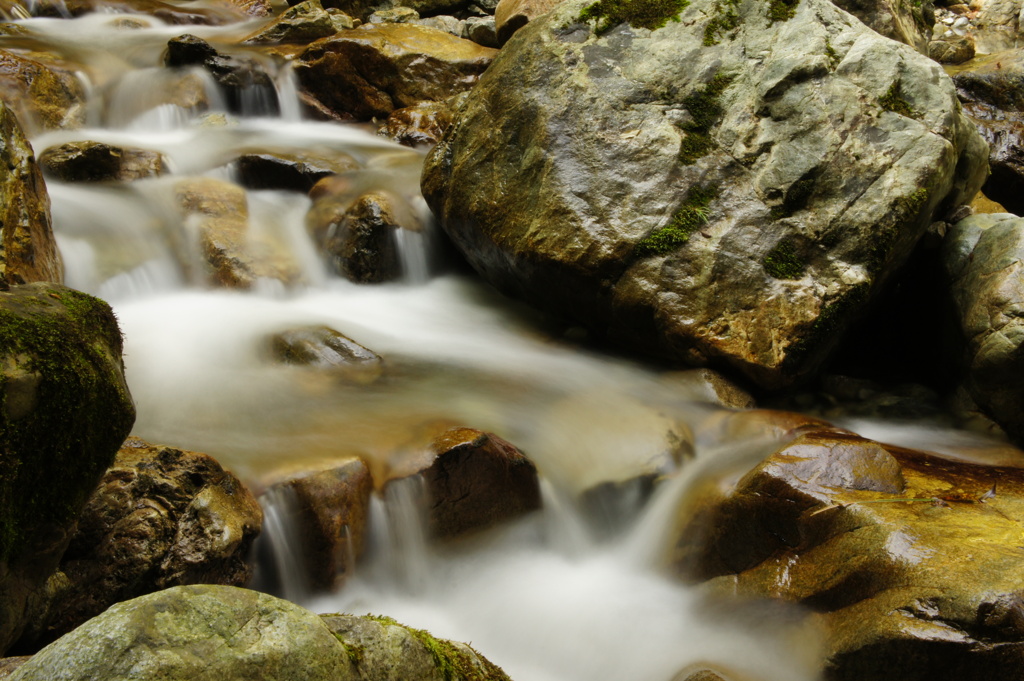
(907,562)
(160,517)
(64,411)
(28,251)
(372,70)
(233,634)
(983,257)
(727,189)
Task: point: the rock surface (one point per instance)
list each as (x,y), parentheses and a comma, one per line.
(788,167)
(983,257)
(907,21)
(44,96)
(373,70)
(28,251)
(323,348)
(160,517)
(246,86)
(512,15)
(99,162)
(914,590)
(422,124)
(64,411)
(362,245)
(301,23)
(296,171)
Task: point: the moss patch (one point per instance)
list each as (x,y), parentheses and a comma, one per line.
(453,663)
(830,53)
(688,218)
(725,18)
(650,14)
(705,110)
(783,262)
(51,457)
(893,101)
(782,10)
(905,209)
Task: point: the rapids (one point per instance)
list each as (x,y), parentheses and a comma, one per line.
(553,597)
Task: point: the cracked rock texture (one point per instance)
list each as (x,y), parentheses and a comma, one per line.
(727,194)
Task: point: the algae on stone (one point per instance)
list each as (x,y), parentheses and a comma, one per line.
(650,14)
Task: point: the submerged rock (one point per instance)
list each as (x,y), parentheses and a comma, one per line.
(160,517)
(905,559)
(64,411)
(99,162)
(728,189)
(983,257)
(28,250)
(373,70)
(473,480)
(321,347)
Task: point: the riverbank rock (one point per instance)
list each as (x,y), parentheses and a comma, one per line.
(160,517)
(992,96)
(329,509)
(473,480)
(301,23)
(983,257)
(44,96)
(64,411)
(233,634)
(372,70)
(730,189)
(28,250)
(99,162)
(915,590)
(237,257)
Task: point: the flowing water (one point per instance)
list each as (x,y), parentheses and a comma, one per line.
(556,596)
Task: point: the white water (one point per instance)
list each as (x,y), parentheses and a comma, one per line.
(548,598)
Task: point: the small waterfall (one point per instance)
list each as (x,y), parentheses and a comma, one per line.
(407,552)
(282,563)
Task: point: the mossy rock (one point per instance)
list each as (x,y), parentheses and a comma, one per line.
(64,411)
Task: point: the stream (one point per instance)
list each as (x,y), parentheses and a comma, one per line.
(562,595)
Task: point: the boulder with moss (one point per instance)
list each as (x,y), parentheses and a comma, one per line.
(905,560)
(45,93)
(719,184)
(64,411)
(28,250)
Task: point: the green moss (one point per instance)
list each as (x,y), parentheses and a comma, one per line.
(830,53)
(782,10)
(354,651)
(783,262)
(905,209)
(452,662)
(725,19)
(688,218)
(832,319)
(81,415)
(650,14)
(893,101)
(705,108)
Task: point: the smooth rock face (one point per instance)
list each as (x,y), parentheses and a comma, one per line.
(28,251)
(43,96)
(194,632)
(373,70)
(983,257)
(732,204)
(915,590)
(64,411)
(473,480)
(323,348)
(160,517)
(98,162)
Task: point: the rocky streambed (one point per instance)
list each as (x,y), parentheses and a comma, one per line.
(672,212)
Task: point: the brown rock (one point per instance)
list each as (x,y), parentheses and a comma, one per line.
(324,348)
(98,162)
(373,70)
(512,15)
(298,171)
(302,23)
(422,124)
(159,518)
(361,245)
(473,481)
(905,559)
(330,509)
(28,251)
(951,51)
(710,386)
(236,258)
(43,96)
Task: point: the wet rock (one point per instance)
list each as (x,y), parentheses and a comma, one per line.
(64,411)
(983,258)
(297,171)
(422,124)
(991,92)
(473,480)
(28,251)
(341,20)
(394,15)
(512,15)
(482,31)
(329,509)
(901,589)
(236,258)
(611,507)
(422,657)
(951,51)
(771,212)
(160,517)
(301,23)
(703,672)
(43,96)
(761,424)
(323,348)
(373,70)
(253,8)
(214,14)
(246,86)
(99,162)
(710,386)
